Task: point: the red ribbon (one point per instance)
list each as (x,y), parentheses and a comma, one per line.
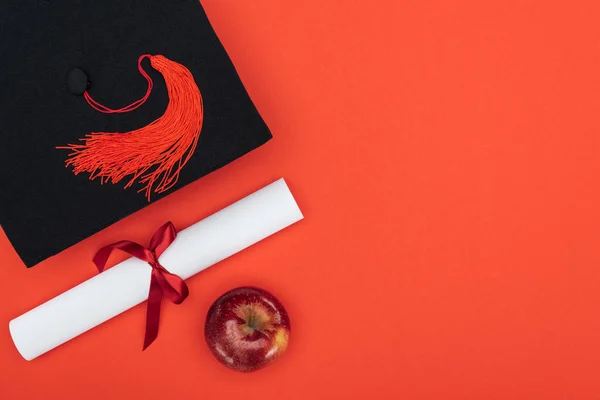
(162,281)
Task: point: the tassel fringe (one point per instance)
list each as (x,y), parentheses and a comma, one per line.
(155,154)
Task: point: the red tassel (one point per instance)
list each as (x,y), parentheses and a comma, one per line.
(155,153)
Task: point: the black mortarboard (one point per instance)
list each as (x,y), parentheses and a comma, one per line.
(75,106)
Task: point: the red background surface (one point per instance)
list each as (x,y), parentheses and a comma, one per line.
(445,155)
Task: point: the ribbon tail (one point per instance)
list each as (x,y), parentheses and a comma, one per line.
(152,310)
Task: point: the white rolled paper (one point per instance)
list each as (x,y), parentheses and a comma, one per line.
(125,285)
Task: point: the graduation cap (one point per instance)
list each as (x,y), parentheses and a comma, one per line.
(105,107)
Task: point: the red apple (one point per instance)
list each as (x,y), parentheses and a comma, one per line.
(247,328)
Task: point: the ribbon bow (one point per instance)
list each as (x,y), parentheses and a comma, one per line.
(162,281)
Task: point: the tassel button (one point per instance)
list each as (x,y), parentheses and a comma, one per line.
(77,81)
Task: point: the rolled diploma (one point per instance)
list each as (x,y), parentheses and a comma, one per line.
(125,285)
